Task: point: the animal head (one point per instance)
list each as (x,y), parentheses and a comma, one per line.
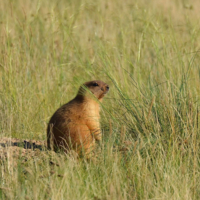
(98,88)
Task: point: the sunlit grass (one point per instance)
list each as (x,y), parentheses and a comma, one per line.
(148,52)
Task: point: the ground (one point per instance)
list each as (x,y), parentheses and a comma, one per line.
(16,147)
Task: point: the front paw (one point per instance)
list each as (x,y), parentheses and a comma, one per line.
(98,137)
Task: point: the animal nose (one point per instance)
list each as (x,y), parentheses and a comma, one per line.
(107,87)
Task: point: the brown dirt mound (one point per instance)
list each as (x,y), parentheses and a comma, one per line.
(15,147)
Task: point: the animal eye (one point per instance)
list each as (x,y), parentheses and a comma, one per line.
(95,84)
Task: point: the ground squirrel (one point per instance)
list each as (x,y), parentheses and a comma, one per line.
(75,125)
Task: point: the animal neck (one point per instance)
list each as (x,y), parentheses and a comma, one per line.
(89,104)
(87,99)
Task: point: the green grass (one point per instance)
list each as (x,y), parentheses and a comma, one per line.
(147,51)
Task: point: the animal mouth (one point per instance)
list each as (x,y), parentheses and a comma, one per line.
(102,95)
(106,91)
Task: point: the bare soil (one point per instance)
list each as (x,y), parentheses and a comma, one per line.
(25,148)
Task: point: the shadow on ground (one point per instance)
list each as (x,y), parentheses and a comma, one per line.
(26,144)
(16,147)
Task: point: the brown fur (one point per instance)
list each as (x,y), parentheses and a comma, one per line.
(75,125)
